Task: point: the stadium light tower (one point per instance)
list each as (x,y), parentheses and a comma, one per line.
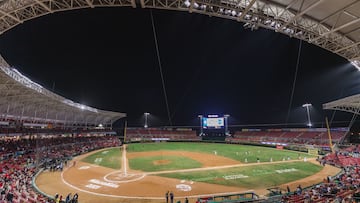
(146,114)
(201,124)
(226,116)
(307,106)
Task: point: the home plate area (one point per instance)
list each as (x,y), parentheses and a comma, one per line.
(121,177)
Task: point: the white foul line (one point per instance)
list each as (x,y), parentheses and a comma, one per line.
(124,160)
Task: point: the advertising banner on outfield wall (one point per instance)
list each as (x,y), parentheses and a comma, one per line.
(340,129)
(274,130)
(251,130)
(160,139)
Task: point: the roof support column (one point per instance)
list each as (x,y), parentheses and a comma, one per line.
(7,111)
(65,122)
(34,116)
(22,113)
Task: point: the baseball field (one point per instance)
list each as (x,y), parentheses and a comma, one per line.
(144,172)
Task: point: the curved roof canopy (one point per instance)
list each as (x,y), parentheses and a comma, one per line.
(349,104)
(331,24)
(23,99)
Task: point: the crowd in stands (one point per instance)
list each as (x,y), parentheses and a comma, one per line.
(26,131)
(342,188)
(153,134)
(287,137)
(22,158)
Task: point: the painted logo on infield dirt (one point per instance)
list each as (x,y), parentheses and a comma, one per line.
(107,184)
(183,187)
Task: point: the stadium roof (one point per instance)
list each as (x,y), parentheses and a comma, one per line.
(23,99)
(349,104)
(331,24)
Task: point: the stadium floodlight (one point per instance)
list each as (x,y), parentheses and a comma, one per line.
(307,106)
(187,3)
(100,126)
(196,5)
(356,63)
(203,7)
(146,114)
(80,106)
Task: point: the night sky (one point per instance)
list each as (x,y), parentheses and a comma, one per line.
(106,58)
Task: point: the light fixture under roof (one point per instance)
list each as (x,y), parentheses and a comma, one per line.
(187,3)
(356,63)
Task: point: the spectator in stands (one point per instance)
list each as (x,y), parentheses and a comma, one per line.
(9,196)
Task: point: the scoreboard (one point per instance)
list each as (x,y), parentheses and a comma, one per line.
(212,122)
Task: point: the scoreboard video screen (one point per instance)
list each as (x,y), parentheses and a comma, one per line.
(213,122)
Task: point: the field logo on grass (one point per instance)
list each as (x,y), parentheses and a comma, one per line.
(98,160)
(288,170)
(235,176)
(104,152)
(183,187)
(261,172)
(204,179)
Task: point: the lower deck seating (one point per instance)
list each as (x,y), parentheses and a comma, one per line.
(24,157)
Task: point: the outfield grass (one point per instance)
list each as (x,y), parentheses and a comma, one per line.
(255,176)
(110,158)
(242,153)
(162,163)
